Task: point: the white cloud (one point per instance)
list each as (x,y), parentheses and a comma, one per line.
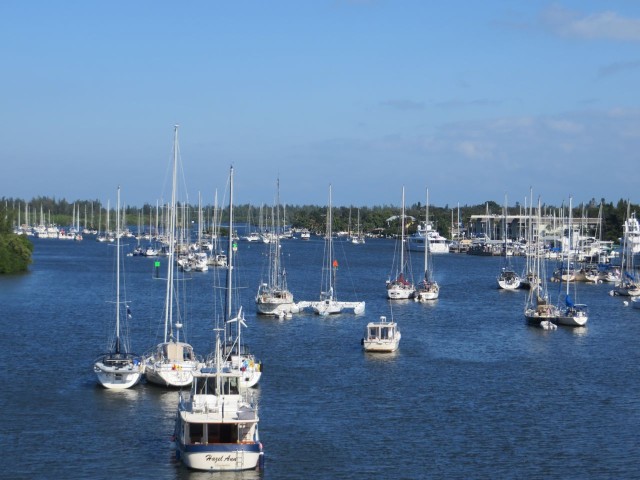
(404,104)
(474,150)
(564,126)
(618,67)
(604,25)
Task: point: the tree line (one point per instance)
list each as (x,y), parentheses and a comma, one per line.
(93,214)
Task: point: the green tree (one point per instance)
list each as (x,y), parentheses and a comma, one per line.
(15,250)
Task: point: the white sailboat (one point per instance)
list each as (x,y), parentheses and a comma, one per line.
(627,285)
(507,279)
(217,257)
(428,289)
(529,278)
(273,297)
(382,336)
(118,369)
(216,426)
(358,237)
(329,303)
(538,309)
(571,314)
(401,288)
(236,355)
(173,361)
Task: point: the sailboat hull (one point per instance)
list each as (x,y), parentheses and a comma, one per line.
(400,292)
(426,295)
(276,309)
(170,375)
(572,318)
(331,307)
(117,377)
(277,304)
(508,280)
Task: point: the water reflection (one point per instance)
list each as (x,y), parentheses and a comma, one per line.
(580,331)
(381,357)
(185,473)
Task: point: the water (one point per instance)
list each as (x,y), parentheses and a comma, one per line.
(473,391)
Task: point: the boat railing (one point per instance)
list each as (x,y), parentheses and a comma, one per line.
(244,403)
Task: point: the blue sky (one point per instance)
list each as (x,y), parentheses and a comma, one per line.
(474,100)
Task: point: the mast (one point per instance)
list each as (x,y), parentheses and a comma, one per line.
(199,221)
(569,237)
(402,237)
(332,264)
(228,305)
(504,228)
(426,240)
(168,315)
(276,279)
(118,276)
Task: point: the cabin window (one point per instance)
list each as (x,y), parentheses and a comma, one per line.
(384,333)
(230,385)
(373,332)
(213,433)
(228,433)
(196,431)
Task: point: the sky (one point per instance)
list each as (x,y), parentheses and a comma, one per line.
(474,101)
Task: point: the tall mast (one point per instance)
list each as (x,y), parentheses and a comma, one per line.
(331,267)
(230,252)
(426,240)
(118,276)
(168,327)
(569,236)
(402,236)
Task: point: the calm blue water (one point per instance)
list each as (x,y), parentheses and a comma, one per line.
(473,391)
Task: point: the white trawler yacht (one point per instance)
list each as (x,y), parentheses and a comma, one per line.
(381,336)
(216,425)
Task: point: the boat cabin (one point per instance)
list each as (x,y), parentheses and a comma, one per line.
(380,330)
(176,352)
(208,384)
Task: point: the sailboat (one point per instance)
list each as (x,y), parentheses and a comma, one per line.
(103,237)
(216,427)
(329,303)
(173,362)
(217,257)
(273,297)
(358,237)
(627,285)
(538,309)
(401,288)
(428,289)
(571,314)
(236,355)
(118,369)
(508,279)
(529,279)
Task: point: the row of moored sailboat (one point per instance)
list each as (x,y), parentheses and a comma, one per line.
(217,422)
